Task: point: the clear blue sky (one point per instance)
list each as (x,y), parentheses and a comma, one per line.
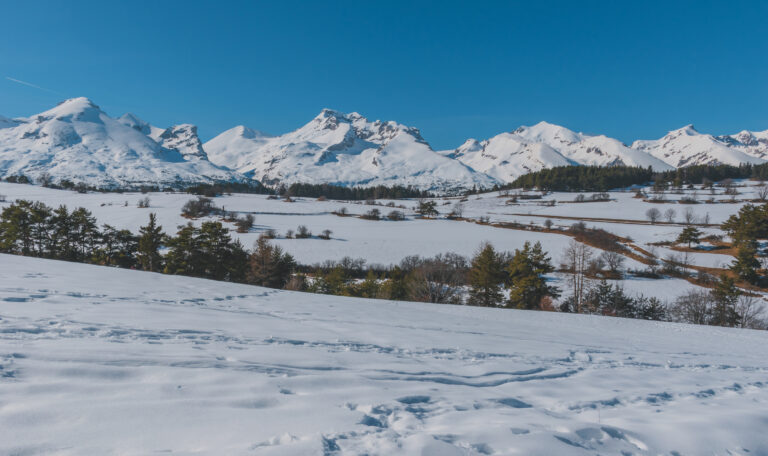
(453,69)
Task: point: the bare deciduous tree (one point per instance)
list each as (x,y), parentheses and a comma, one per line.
(751,313)
(689,216)
(614,260)
(693,307)
(437,279)
(653,214)
(577,257)
(762,192)
(670,215)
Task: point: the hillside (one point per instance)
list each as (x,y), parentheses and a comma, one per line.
(118,361)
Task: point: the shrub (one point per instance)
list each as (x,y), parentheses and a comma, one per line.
(326,234)
(302,232)
(270,234)
(373,214)
(396,216)
(199,207)
(244,224)
(427,208)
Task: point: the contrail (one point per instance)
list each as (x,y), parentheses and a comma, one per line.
(29,84)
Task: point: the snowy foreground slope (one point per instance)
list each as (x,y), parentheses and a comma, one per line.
(104,361)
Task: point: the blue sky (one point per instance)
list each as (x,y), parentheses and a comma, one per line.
(453,69)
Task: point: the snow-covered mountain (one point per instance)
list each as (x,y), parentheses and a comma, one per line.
(544,145)
(182,138)
(507,156)
(753,143)
(585,149)
(686,147)
(7,123)
(343,149)
(78,142)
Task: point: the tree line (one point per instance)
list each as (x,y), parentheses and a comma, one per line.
(603,178)
(351,193)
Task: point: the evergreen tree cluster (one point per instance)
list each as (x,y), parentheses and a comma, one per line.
(583,178)
(607,299)
(34,229)
(352,193)
(603,178)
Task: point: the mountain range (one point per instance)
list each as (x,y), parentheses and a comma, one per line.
(79,142)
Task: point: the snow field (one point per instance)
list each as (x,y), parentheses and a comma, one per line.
(95,360)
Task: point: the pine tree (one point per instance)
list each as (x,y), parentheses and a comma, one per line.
(528,286)
(269,265)
(749,224)
(40,216)
(85,232)
(62,234)
(746,264)
(396,287)
(486,276)
(689,235)
(725,295)
(184,256)
(16,228)
(215,247)
(369,288)
(117,248)
(150,239)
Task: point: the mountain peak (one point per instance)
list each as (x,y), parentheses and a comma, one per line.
(328,112)
(248,133)
(548,133)
(78,104)
(689,130)
(80,108)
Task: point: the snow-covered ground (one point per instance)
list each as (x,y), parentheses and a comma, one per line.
(101,361)
(387,242)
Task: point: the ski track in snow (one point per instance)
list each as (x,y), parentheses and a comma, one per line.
(95,360)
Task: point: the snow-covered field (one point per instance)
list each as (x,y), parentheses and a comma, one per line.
(386,242)
(101,361)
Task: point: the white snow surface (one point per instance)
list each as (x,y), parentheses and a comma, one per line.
(102,361)
(78,142)
(387,242)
